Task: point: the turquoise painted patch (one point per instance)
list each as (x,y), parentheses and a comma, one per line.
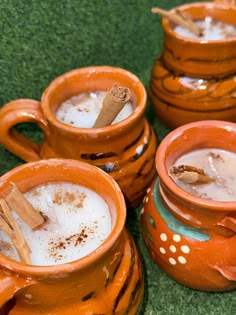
(174,224)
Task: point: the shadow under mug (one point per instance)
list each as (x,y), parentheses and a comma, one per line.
(125,150)
(106,281)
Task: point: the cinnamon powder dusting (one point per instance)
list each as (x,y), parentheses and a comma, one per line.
(56,247)
(216,157)
(5,247)
(67,197)
(35,193)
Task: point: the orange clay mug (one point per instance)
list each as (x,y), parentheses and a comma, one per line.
(125,150)
(194,79)
(106,281)
(192,239)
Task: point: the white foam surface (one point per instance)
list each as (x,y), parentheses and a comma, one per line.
(79,222)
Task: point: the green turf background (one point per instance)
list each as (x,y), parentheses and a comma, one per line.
(41,39)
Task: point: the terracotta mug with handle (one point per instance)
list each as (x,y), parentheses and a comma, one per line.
(125,150)
(190,237)
(108,280)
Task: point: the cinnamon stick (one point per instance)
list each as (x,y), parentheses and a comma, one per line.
(9,226)
(189,174)
(18,203)
(113,102)
(191,24)
(179,18)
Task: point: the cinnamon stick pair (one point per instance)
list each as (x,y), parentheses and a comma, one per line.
(16,201)
(9,226)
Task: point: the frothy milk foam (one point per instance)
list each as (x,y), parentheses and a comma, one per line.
(217,164)
(82,110)
(211,30)
(79,222)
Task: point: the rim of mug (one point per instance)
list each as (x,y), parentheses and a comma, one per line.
(137,113)
(78,264)
(162,171)
(169,30)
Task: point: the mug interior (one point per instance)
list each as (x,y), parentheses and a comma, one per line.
(30,175)
(193,136)
(198,11)
(91,79)
(196,136)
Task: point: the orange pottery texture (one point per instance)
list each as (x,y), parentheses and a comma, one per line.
(195,80)
(192,239)
(125,150)
(107,281)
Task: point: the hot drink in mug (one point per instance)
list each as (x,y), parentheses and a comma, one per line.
(78,221)
(83,109)
(188,219)
(81,256)
(218,165)
(210,29)
(118,139)
(194,77)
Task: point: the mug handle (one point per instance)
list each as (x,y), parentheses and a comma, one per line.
(16,112)
(229,272)
(229,223)
(9,285)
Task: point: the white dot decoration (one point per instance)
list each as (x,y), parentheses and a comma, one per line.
(182,260)
(162,250)
(172,261)
(185,249)
(163,237)
(142,211)
(176,238)
(172,248)
(148,190)
(146,200)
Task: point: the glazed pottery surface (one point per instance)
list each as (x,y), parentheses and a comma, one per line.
(195,79)
(192,239)
(125,150)
(107,281)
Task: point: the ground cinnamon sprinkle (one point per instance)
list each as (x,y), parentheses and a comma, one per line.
(57,198)
(216,156)
(82,110)
(69,197)
(4,246)
(35,193)
(56,245)
(60,198)
(81,198)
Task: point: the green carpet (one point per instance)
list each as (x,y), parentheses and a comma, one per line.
(41,39)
